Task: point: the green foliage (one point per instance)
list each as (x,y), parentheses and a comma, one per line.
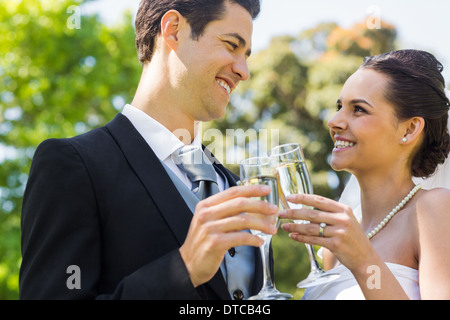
(291,263)
(57,80)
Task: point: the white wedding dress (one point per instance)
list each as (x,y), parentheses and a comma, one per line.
(346,287)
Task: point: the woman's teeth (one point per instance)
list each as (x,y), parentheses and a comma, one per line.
(340,144)
(224,85)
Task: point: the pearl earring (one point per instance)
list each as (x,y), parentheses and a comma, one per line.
(404,140)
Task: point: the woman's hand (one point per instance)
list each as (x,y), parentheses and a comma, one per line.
(342,235)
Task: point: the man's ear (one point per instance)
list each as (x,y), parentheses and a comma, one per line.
(413,129)
(171,24)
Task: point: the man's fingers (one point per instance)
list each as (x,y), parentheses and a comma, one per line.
(237,201)
(241,205)
(249,221)
(236,239)
(237,192)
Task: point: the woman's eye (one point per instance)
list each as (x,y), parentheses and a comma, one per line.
(338,107)
(359,109)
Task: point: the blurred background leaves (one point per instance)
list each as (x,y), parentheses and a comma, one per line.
(57,80)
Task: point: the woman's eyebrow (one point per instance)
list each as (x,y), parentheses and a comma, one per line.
(356,101)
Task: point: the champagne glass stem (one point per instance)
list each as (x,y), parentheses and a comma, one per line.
(267,281)
(312,258)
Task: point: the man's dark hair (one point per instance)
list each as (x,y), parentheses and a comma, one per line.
(198,14)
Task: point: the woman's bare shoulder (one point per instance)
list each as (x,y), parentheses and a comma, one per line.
(434,200)
(433,210)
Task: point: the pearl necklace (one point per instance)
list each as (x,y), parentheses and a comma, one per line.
(388,218)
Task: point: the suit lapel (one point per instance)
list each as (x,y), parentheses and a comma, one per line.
(153,176)
(159,186)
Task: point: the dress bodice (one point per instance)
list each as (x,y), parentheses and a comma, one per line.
(346,287)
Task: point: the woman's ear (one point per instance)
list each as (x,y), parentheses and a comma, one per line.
(413,129)
(171,24)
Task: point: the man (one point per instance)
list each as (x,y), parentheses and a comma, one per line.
(106,214)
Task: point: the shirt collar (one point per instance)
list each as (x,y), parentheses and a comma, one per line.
(162,141)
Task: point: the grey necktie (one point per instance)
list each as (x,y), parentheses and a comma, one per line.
(237,268)
(199,169)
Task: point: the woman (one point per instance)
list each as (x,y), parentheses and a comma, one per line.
(390,126)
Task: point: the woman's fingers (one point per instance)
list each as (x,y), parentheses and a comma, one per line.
(328,222)
(310,229)
(316,201)
(309,215)
(327,211)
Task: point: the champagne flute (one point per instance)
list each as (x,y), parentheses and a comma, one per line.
(293,178)
(257,171)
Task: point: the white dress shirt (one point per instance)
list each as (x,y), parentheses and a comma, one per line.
(162,141)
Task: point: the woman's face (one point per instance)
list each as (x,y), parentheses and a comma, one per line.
(365,128)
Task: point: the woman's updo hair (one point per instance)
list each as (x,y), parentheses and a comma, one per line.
(417,89)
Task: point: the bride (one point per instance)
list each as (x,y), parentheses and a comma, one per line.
(390,128)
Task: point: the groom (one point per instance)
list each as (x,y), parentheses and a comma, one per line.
(111,215)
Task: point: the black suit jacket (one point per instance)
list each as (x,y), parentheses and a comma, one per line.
(102,201)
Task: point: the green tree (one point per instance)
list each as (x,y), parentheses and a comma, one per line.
(61,75)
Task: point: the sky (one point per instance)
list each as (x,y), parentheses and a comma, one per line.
(420,24)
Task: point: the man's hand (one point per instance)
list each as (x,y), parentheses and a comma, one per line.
(217,226)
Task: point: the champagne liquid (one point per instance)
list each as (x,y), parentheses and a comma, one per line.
(272,197)
(293,178)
